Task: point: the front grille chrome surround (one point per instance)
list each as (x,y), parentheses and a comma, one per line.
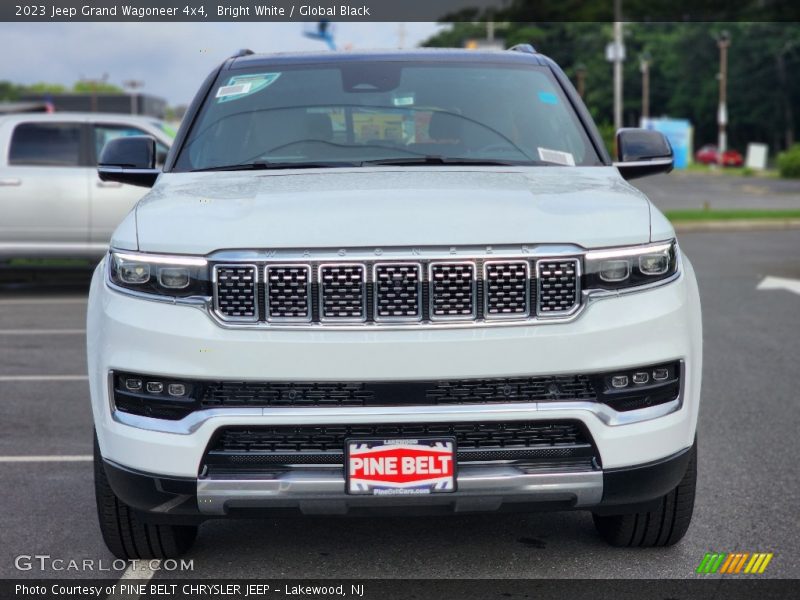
(342,292)
(236,292)
(453,290)
(288,293)
(507,289)
(401,302)
(558,287)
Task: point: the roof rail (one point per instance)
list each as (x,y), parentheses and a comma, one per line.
(243,52)
(527,48)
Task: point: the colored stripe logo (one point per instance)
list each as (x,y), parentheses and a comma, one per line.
(734,563)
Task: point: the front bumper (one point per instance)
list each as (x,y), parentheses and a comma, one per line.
(651,327)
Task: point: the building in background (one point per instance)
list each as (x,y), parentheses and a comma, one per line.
(138,104)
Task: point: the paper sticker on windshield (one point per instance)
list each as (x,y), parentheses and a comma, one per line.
(557,157)
(244,85)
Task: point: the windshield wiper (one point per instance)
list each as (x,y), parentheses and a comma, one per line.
(444,160)
(261,165)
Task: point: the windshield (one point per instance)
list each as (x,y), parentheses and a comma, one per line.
(385,112)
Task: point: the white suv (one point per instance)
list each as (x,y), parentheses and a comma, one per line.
(395,281)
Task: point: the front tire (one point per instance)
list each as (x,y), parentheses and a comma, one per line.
(126,534)
(664,526)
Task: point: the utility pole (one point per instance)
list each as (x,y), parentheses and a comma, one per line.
(618,57)
(724,42)
(580,74)
(133,85)
(644,62)
(93,83)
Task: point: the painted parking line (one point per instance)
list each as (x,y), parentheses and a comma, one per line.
(138,572)
(68,300)
(42,331)
(47,458)
(4,378)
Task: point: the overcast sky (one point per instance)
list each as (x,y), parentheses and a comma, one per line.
(171,58)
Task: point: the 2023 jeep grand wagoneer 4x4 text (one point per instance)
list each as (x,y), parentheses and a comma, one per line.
(409,280)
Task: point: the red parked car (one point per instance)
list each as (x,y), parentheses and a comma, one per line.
(708,155)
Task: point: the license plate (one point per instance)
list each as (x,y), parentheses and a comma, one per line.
(405,467)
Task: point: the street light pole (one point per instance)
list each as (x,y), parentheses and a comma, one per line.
(724,42)
(133,85)
(618,58)
(644,63)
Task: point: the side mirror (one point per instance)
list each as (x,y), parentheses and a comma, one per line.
(642,152)
(129,160)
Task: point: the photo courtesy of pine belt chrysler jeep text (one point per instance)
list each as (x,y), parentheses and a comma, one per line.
(404,281)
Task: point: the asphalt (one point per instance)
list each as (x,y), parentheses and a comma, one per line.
(689,190)
(746,497)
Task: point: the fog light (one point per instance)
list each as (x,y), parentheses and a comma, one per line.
(641,378)
(615,270)
(136,273)
(176,389)
(174,278)
(660,374)
(155,387)
(132,384)
(619,381)
(654,264)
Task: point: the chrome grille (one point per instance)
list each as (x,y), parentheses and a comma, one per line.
(342,292)
(235,292)
(288,292)
(506,289)
(452,290)
(398,292)
(557,286)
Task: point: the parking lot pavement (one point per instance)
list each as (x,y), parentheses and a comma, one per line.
(747,474)
(682,190)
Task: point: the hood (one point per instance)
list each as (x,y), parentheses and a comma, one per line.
(197,213)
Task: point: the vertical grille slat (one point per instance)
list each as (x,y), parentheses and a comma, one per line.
(506,289)
(288,292)
(452,290)
(557,286)
(398,292)
(236,292)
(343,292)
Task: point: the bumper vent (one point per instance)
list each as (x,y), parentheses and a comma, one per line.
(247,447)
(558,286)
(235,292)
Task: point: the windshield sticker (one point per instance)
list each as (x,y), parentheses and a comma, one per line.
(241,86)
(548,98)
(556,157)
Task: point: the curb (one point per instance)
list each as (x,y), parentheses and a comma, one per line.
(737,225)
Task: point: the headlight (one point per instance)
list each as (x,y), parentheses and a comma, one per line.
(164,275)
(621,268)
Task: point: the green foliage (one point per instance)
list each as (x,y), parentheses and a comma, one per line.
(789,162)
(763,93)
(10,92)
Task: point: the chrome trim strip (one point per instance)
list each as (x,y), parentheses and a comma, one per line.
(309,305)
(322,490)
(473,286)
(215,290)
(375,298)
(322,318)
(501,317)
